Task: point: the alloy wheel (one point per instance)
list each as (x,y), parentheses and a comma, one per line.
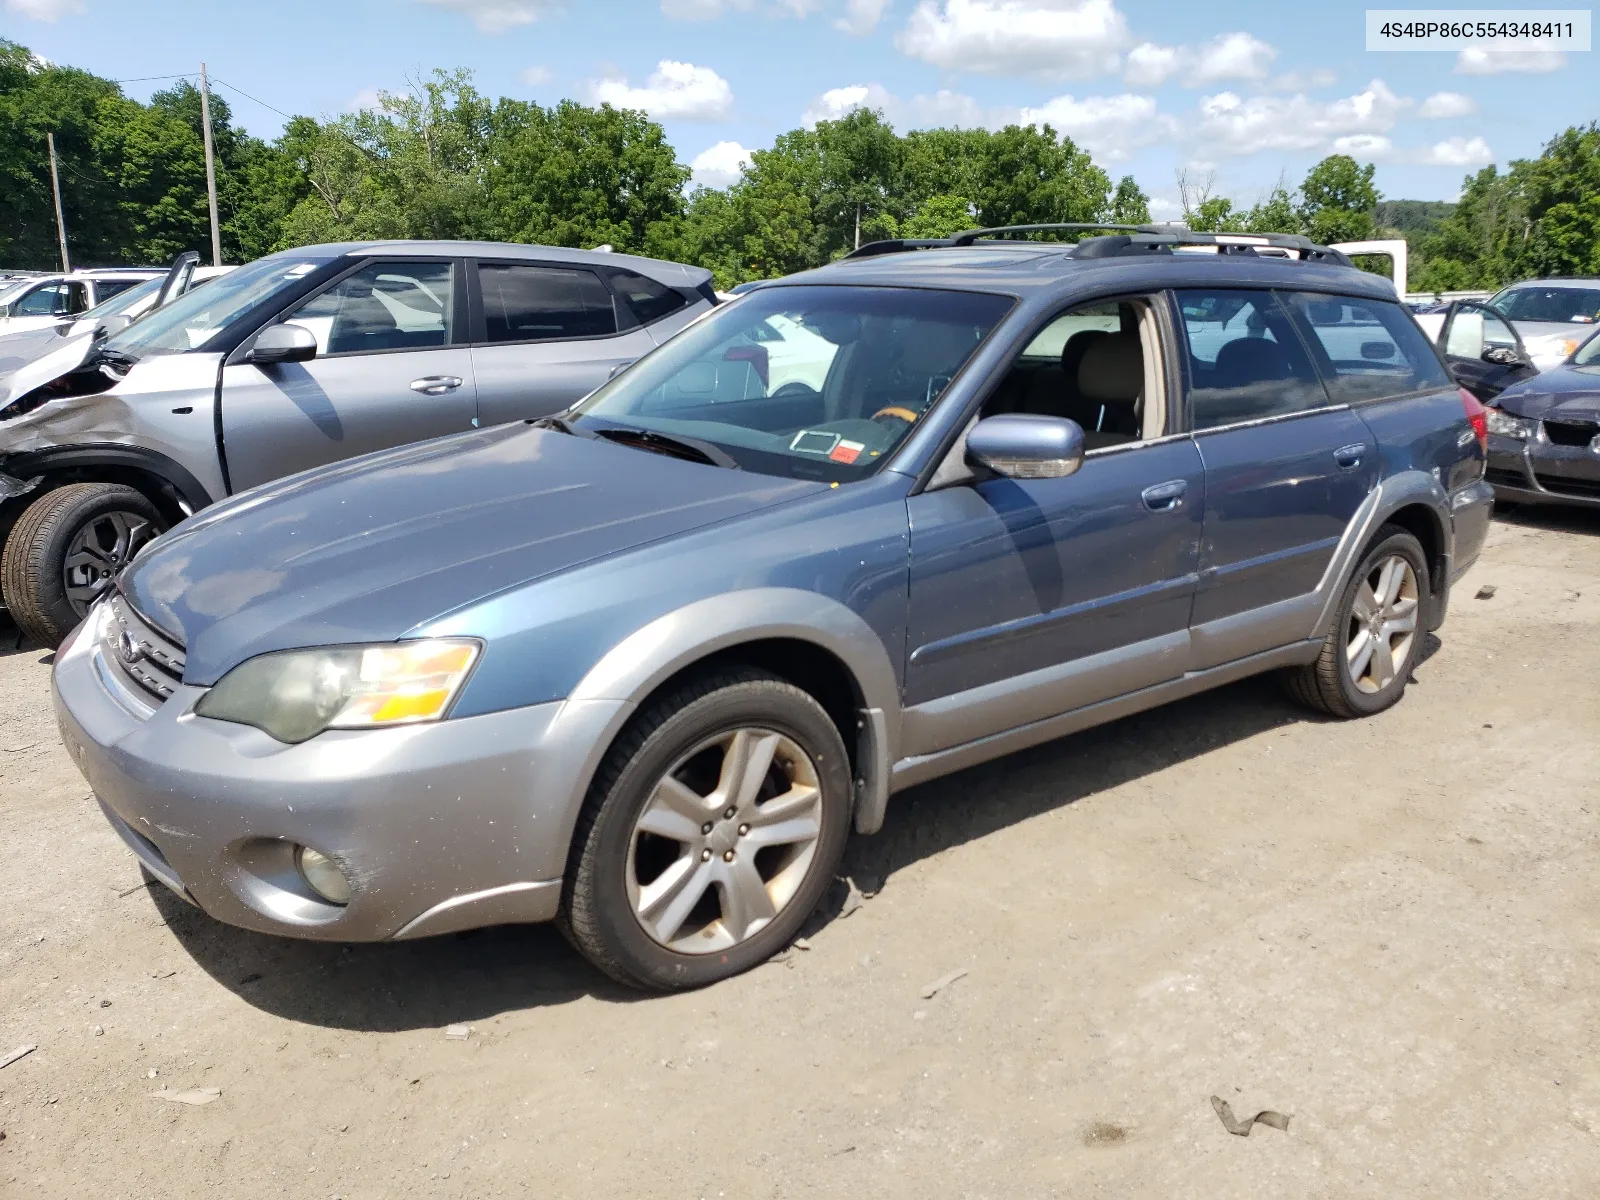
(1383,624)
(724,840)
(100,549)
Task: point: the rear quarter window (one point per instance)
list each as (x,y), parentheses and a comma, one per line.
(1370,349)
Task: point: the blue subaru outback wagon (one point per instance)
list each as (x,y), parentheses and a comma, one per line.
(639,668)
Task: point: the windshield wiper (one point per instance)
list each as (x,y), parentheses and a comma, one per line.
(675,445)
(560,424)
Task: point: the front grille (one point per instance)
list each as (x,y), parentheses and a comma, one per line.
(1571,433)
(1504,478)
(140,653)
(1571,487)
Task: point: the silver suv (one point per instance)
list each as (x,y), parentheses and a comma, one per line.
(297,360)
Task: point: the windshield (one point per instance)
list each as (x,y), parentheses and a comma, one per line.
(810,382)
(11,291)
(126,302)
(1563,304)
(194,317)
(1588,354)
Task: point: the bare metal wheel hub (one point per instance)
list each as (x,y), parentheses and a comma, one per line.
(100,549)
(724,840)
(1383,624)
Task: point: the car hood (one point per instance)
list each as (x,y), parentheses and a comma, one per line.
(1563,391)
(35,358)
(369,549)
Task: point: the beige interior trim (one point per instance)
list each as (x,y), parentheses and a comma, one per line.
(1154,422)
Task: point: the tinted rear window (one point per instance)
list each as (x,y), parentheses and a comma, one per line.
(1374,348)
(650,299)
(529,303)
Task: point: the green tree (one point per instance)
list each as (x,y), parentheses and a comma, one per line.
(1129,205)
(939,216)
(1337,199)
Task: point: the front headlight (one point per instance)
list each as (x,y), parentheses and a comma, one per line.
(296,694)
(1504,424)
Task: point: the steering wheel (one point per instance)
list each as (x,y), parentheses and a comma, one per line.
(899,412)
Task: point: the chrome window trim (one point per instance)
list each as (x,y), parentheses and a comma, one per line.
(1276,418)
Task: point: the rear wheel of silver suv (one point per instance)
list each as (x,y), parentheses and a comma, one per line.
(1369,653)
(710,833)
(65,551)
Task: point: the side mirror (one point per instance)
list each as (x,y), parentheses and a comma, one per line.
(1505,356)
(1027,445)
(282,344)
(1374,351)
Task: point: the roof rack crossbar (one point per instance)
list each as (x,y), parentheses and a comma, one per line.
(1165,241)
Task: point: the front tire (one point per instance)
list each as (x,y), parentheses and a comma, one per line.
(67,549)
(1369,653)
(710,833)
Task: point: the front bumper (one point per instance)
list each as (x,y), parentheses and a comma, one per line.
(438,827)
(1538,472)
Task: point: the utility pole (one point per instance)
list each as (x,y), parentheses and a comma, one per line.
(211,168)
(61,224)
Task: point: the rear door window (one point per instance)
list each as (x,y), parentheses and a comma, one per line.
(649,299)
(1373,348)
(525,303)
(1245,360)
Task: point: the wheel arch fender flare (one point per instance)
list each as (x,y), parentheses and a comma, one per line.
(74,458)
(1405,489)
(673,642)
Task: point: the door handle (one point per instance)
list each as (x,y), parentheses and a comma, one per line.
(436,385)
(1350,456)
(1165,497)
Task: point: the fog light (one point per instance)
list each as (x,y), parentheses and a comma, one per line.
(322,874)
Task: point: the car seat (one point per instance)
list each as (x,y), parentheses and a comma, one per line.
(1112,374)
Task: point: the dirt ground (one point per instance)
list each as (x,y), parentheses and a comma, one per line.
(1388,930)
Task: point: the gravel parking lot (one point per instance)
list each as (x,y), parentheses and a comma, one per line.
(1389,930)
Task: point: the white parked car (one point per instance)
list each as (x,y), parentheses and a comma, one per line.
(42,302)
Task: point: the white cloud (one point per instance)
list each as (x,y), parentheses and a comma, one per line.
(841,101)
(1232,126)
(1373,147)
(1299,81)
(1107,126)
(1499,62)
(1231,56)
(861,17)
(1448,104)
(364,99)
(1061,38)
(1228,56)
(1150,65)
(535,76)
(675,90)
(718,166)
(44,10)
(494,16)
(1458,152)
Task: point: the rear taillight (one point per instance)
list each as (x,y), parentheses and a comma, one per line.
(1479,418)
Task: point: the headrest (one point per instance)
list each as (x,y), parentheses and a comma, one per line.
(1112,370)
(1249,360)
(1076,347)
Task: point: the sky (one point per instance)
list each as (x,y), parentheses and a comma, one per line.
(1243,92)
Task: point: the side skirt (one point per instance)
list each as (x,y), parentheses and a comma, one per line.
(922,767)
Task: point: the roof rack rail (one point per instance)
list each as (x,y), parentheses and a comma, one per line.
(1121,241)
(1150,241)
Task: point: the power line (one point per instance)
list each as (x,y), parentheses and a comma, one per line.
(153,78)
(248,96)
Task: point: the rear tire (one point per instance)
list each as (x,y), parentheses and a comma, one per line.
(681,872)
(102,526)
(1377,634)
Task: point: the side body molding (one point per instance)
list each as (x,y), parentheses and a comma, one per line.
(649,656)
